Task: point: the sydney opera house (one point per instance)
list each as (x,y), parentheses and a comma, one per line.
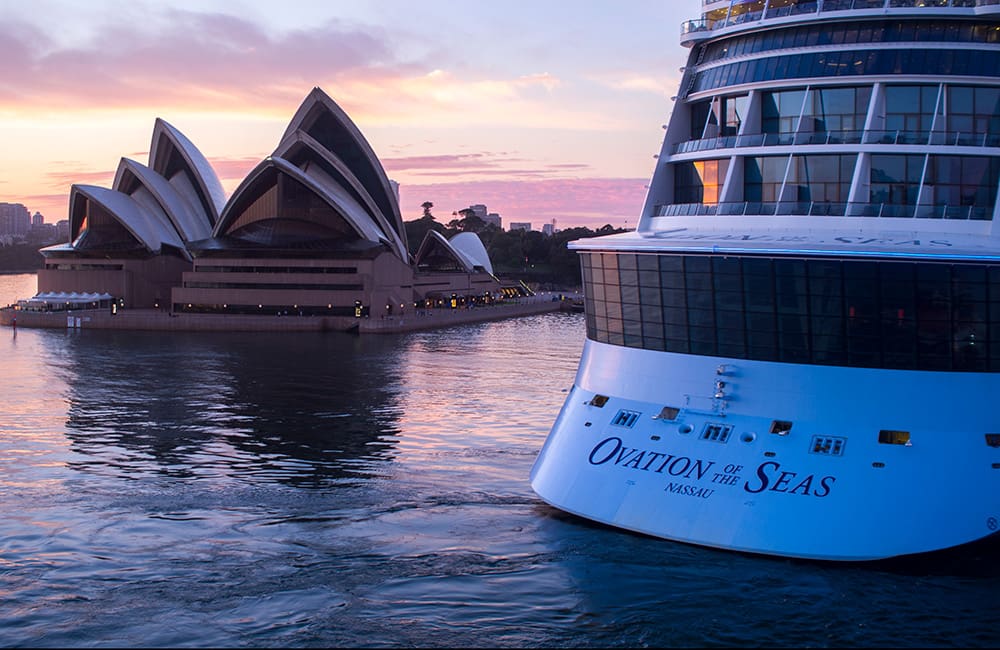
(314,229)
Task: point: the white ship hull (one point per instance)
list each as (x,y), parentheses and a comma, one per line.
(774,493)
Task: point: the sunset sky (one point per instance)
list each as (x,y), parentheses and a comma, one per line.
(540,109)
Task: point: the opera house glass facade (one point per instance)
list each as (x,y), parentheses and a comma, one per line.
(314,229)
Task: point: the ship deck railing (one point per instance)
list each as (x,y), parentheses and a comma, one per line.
(826,209)
(822,6)
(931,138)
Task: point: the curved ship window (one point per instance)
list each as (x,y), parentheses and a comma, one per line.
(625,418)
(891,437)
(828,445)
(598,400)
(993,439)
(716,432)
(781,427)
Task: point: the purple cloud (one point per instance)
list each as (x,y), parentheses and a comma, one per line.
(192,60)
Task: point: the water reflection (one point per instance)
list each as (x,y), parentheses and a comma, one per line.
(304,409)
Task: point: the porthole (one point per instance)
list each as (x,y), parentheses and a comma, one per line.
(686,428)
(748,436)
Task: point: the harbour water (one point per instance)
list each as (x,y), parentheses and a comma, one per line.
(325,489)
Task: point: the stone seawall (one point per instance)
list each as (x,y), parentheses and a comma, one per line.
(152,319)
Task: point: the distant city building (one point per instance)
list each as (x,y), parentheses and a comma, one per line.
(45,233)
(487,217)
(62,230)
(15,220)
(549,229)
(519,225)
(41,232)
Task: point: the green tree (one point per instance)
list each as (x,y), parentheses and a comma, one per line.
(467,221)
(417,229)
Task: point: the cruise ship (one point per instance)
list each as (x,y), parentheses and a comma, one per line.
(796,351)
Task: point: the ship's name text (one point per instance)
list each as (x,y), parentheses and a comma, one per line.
(768,476)
(806,239)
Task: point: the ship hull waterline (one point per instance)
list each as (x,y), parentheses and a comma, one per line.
(825,488)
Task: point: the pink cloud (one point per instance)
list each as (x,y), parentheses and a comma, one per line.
(81,176)
(482,165)
(460,162)
(233,169)
(591,202)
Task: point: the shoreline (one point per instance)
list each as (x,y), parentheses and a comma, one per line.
(159,320)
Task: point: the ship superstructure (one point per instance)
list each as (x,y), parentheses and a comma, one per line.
(796,351)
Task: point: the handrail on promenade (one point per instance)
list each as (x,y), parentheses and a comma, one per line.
(825,209)
(821,6)
(936,138)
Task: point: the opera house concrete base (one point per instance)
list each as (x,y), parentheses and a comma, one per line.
(159,320)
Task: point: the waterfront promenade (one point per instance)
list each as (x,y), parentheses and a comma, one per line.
(159,320)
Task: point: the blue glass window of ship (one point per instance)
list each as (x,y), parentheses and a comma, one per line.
(850,33)
(763,177)
(895,179)
(780,110)
(700,181)
(973,115)
(859,313)
(910,110)
(877,62)
(820,178)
